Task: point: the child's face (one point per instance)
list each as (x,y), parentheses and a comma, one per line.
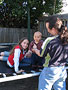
(24,44)
(37,37)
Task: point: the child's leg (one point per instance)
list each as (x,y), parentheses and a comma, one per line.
(3,58)
(25,62)
(36,60)
(2,53)
(5,53)
(40,61)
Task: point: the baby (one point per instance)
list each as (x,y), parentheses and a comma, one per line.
(36,43)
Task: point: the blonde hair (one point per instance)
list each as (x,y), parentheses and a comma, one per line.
(38,33)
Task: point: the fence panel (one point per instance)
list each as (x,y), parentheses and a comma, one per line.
(13,35)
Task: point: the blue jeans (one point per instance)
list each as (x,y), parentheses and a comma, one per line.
(25,62)
(6,55)
(53,76)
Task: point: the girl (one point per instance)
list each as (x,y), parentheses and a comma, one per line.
(55,52)
(17,54)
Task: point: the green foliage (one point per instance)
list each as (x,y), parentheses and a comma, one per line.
(49,6)
(1,1)
(13,13)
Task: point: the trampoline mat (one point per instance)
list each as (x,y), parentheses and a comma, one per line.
(3,64)
(6,69)
(8,74)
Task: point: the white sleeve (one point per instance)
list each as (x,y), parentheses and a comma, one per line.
(16,59)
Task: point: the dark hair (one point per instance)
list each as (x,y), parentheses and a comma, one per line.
(19,43)
(62,32)
(52,21)
(21,40)
(64,36)
(61,28)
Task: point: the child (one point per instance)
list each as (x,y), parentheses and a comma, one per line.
(17,54)
(55,52)
(36,43)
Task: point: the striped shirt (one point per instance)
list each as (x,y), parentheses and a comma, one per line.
(54,52)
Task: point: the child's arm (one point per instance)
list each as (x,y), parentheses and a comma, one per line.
(31,46)
(28,54)
(20,71)
(16,60)
(34,46)
(35,50)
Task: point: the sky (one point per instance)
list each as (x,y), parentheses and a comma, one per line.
(65,7)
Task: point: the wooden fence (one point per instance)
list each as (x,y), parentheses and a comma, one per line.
(13,35)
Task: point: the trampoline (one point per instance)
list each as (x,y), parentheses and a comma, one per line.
(27,80)
(8,74)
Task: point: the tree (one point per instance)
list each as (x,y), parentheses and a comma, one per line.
(13,13)
(1,1)
(53,6)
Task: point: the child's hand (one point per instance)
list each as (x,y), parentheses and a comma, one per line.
(34,47)
(20,71)
(28,54)
(36,51)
